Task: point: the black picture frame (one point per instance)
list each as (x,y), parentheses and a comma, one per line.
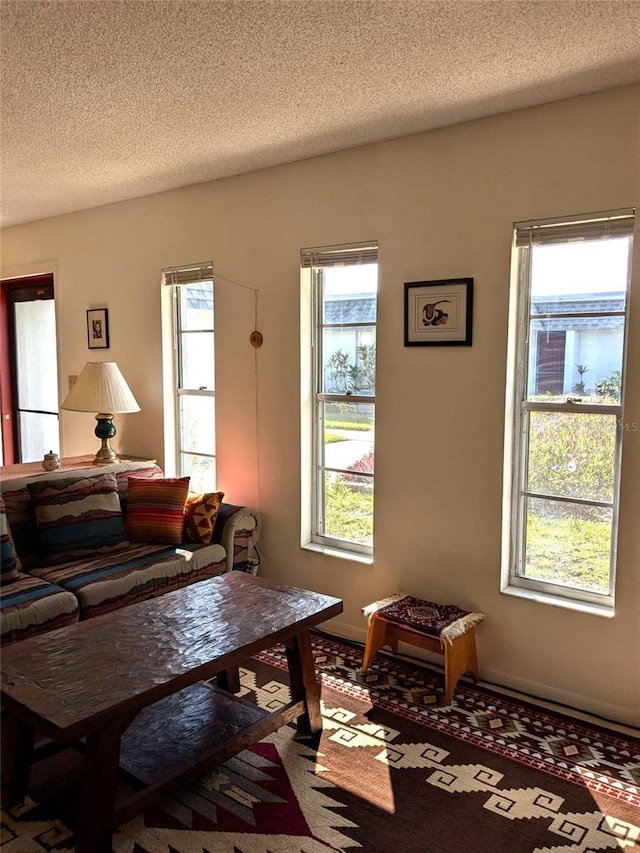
(98,328)
(426,324)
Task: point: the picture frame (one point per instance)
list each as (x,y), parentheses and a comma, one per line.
(428,323)
(98,328)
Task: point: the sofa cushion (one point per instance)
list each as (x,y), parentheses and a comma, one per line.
(77,517)
(200,513)
(9,564)
(155,509)
(30,605)
(22,522)
(124,471)
(138,572)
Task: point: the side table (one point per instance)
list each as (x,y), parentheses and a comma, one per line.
(69,463)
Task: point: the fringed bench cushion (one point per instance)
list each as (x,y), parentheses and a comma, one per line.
(445,621)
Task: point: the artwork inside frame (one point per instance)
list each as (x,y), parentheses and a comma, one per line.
(98,328)
(438,313)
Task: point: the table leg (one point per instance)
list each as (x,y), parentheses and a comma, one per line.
(304,684)
(99,784)
(229,679)
(18,739)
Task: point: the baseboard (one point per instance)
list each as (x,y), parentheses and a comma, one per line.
(593,710)
(562,701)
(344,631)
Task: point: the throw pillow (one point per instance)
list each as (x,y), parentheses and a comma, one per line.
(77,517)
(155,509)
(200,513)
(9,563)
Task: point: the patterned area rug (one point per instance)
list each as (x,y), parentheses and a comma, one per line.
(394,772)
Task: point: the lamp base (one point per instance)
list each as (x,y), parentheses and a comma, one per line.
(105,431)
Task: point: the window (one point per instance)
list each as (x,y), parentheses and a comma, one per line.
(564,424)
(190,393)
(339,372)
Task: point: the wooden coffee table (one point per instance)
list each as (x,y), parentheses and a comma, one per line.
(131,685)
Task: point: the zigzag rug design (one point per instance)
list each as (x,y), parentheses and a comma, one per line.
(393,773)
(584,754)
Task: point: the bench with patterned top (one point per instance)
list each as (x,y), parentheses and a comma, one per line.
(442,628)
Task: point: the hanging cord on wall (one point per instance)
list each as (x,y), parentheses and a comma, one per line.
(255,339)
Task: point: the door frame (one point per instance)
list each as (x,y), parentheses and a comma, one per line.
(8,377)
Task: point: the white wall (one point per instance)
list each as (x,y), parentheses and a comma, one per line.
(440,205)
(600,351)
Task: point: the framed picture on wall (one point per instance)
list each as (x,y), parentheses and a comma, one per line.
(438,313)
(98,328)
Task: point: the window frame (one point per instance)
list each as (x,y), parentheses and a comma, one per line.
(519,409)
(174,279)
(314,261)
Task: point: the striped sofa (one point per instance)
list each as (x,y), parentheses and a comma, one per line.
(39,594)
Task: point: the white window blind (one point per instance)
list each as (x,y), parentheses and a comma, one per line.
(332,256)
(618,224)
(189,274)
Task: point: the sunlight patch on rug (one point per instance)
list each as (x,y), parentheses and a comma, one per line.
(567,748)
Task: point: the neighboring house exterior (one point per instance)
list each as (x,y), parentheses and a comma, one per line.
(592,337)
(357,311)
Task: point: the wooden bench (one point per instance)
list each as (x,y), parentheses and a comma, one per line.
(444,629)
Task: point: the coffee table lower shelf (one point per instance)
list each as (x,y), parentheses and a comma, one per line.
(127,686)
(179,737)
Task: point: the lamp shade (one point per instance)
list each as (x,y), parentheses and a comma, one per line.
(101,387)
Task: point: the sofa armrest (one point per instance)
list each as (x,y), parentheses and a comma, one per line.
(237,529)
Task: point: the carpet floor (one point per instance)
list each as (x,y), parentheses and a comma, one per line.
(395,771)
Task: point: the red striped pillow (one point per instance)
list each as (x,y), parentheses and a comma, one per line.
(155,509)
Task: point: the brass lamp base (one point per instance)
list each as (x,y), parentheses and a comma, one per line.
(105,431)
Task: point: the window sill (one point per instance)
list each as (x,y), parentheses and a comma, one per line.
(365,559)
(604,610)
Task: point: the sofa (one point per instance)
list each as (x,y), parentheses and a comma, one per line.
(77,544)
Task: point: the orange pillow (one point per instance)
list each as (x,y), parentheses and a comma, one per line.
(200,513)
(155,509)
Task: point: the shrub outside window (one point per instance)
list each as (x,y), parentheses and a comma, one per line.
(342,366)
(565,397)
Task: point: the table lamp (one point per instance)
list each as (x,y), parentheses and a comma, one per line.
(101,388)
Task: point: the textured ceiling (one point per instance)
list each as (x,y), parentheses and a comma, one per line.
(108,100)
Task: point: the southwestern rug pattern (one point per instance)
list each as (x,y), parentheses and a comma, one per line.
(394,772)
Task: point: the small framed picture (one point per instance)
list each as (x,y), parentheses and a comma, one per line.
(438,313)
(98,328)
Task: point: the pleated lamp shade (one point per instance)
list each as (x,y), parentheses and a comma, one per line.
(102,388)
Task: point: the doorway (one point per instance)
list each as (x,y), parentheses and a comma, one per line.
(28,369)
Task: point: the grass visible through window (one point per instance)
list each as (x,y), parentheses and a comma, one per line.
(569,551)
(348,512)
